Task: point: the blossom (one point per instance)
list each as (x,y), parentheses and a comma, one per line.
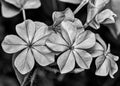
(31,45)
(72,43)
(9,11)
(105,61)
(66,15)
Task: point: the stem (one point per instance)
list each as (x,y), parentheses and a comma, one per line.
(54,4)
(84,2)
(24,16)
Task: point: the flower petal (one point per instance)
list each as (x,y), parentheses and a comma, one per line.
(70,29)
(41,31)
(8,11)
(13,44)
(32,4)
(26,30)
(96,50)
(24,62)
(43,59)
(102,65)
(14,2)
(66,62)
(86,40)
(106,17)
(113,68)
(83,58)
(56,42)
(42,49)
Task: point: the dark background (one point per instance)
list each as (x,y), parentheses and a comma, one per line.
(43,14)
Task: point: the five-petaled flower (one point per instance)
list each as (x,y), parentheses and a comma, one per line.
(31,44)
(105,61)
(72,43)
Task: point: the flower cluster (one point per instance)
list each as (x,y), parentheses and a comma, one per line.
(68,42)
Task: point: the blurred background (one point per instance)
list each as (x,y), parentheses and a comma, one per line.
(43,14)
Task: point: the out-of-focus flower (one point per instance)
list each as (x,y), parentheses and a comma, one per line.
(104,17)
(8,11)
(96,15)
(105,61)
(72,44)
(31,43)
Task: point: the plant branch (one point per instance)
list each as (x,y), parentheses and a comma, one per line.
(83,2)
(24,15)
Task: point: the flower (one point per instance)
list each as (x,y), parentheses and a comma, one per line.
(105,61)
(72,44)
(66,15)
(9,11)
(31,43)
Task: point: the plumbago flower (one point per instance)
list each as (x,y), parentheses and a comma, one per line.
(72,43)
(105,61)
(31,43)
(95,16)
(20,5)
(66,15)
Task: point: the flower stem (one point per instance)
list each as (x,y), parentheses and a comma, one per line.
(84,2)
(24,15)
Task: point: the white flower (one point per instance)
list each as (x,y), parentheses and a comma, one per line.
(105,61)
(8,11)
(31,43)
(72,43)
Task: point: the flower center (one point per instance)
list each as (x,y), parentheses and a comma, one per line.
(71,47)
(30,45)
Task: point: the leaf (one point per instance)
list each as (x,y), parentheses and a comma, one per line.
(42,78)
(13,44)
(83,58)
(8,10)
(66,62)
(24,62)
(72,1)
